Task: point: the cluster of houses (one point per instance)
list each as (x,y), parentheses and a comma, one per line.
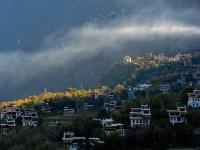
(107,95)
(110,102)
(9,114)
(186,79)
(141,117)
(161,59)
(86,107)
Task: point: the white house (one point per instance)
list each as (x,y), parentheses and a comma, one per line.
(29,121)
(194,98)
(71,141)
(68,110)
(115,128)
(73,146)
(10,113)
(110,127)
(7,130)
(196,75)
(88,107)
(164,88)
(68,137)
(30,118)
(178,116)
(109,95)
(144,86)
(127,60)
(140,117)
(10,122)
(107,122)
(45,107)
(111,106)
(29,115)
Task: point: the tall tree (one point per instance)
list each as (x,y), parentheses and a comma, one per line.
(183,94)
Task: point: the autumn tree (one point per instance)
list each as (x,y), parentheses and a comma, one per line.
(118,88)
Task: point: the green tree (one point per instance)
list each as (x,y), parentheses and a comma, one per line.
(193,118)
(183,94)
(102,113)
(47,145)
(18,121)
(5,143)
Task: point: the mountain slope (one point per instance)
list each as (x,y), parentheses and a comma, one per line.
(31,32)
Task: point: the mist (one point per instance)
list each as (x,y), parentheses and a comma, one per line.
(150,25)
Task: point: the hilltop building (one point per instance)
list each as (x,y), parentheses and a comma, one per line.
(127,60)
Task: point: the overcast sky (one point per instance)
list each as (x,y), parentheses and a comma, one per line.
(136,20)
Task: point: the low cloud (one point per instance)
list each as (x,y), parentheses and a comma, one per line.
(87,41)
(91,38)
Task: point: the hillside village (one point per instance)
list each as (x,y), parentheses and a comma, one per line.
(154,105)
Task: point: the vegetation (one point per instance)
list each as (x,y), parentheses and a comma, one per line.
(161,134)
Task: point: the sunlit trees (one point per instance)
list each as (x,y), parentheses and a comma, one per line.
(118,88)
(70,93)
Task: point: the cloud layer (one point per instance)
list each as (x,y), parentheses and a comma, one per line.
(155,21)
(87,41)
